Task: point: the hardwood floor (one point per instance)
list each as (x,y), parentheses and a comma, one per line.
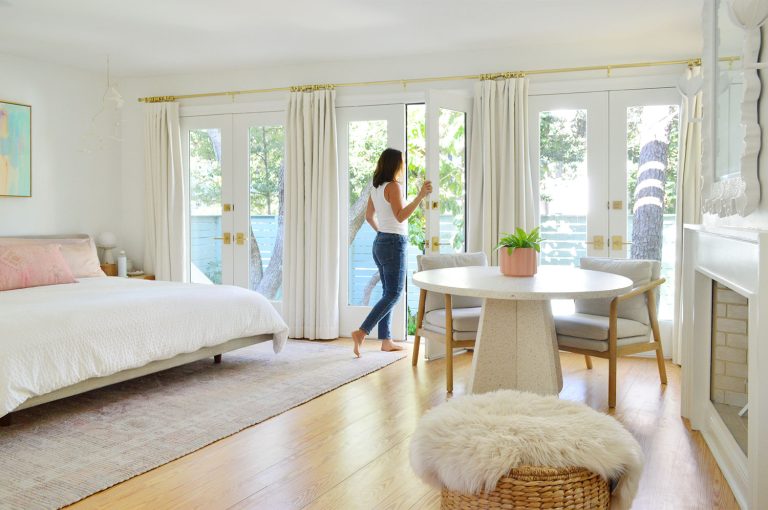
(348,449)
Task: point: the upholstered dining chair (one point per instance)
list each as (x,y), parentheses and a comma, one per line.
(442,317)
(613,327)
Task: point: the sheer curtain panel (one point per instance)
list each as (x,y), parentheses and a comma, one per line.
(500,182)
(311,268)
(166,252)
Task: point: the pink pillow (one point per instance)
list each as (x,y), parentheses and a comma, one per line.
(79,252)
(23,266)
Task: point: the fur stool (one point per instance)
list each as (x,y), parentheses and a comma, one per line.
(511,449)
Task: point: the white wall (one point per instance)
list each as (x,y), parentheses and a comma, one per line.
(414,66)
(72,192)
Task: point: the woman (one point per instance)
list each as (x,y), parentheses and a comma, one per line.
(388,216)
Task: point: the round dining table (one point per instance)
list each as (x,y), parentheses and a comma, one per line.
(516,345)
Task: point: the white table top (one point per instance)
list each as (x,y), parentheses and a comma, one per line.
(551,282)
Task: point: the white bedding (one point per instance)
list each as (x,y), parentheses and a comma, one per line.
(55,336)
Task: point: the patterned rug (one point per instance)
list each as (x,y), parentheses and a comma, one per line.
(59,453)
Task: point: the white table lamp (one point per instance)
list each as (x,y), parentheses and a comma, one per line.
(107,241)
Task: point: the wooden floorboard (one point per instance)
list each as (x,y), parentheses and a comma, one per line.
(348,449)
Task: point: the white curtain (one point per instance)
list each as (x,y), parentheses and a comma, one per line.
(166,240)
(311,264)
(688,184)
(500,181)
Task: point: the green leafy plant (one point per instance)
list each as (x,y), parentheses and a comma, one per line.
(520,239)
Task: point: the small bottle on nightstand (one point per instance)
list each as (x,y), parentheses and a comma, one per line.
(122,265)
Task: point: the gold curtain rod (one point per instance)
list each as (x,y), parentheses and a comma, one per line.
(691,62)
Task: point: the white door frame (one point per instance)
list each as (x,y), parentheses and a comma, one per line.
(224,123)
(442,100)
(351,316)
(241,174)
(596,105)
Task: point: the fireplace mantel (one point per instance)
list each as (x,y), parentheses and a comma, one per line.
(737,258)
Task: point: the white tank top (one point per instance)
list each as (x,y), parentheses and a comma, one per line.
(384,215)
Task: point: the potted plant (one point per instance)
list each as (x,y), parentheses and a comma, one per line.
(517,252)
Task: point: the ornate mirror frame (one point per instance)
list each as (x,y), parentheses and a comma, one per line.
(737,193)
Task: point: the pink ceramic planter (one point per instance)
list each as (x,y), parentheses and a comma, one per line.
(522,262)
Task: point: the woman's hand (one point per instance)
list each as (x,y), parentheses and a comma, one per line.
(425,190)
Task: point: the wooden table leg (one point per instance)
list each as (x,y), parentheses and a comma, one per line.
(516,348)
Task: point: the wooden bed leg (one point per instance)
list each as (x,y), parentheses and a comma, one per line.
(6,421)
(217,358)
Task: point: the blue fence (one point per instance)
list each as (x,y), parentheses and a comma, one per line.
(206,252)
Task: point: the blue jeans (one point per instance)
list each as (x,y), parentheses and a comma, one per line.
(389,256)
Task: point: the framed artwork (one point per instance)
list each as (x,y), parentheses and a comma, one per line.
(15,150)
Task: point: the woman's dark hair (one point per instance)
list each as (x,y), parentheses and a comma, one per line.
(388,165)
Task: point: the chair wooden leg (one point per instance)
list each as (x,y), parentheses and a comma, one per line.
(612,353)
(419,321)
(612,365)
(448,344)
(588,361)
(651,301)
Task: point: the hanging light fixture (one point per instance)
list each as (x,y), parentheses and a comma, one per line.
(105,124)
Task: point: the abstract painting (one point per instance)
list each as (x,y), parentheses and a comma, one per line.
(15,150)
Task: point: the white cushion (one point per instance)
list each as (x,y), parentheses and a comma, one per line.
(598,345)
(595,327)
(464,319)
(436,300)
(640,272)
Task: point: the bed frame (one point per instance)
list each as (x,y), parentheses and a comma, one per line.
(150,368)
(214,351)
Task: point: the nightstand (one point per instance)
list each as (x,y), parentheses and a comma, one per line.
(144,277)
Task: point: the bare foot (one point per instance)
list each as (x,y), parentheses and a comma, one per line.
(358,336)
(390,346)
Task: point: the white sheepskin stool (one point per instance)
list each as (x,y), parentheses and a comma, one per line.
(470,444)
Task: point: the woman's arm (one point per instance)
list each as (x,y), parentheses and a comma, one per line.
(395,198)
(370,217)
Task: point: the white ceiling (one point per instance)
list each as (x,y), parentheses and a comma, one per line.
(154,37)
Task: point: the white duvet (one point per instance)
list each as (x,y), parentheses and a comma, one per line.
(55,336)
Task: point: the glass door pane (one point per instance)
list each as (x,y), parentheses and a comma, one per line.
(563,186)
(266,149)
(453,173)
(364,133)
(645,155)
(367,139)
(207,162)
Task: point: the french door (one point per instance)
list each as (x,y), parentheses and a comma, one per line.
(363,133)
(607,169)
(434,138)
(448,121)
(235,168)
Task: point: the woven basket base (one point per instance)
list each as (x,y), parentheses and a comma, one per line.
(537,488)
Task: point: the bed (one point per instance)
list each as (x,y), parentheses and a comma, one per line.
(61,340)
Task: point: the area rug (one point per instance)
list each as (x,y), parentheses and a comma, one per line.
(59,453)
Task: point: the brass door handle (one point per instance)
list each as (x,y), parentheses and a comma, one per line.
(597,241)
(226,237)
(617,243)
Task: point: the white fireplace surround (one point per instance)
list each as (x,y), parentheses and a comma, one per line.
(738,259)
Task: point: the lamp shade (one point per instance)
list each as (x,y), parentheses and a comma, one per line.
(106,240)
